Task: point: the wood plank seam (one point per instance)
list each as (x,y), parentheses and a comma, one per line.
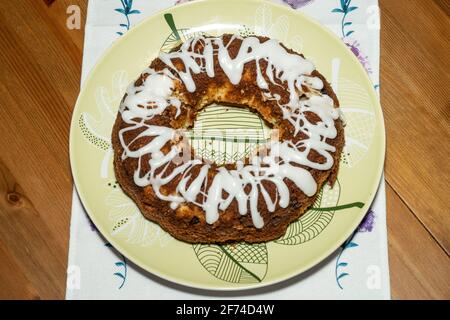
(418,219)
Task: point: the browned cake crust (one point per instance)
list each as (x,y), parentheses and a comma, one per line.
(187,222)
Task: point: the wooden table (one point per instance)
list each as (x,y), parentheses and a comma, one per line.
(40,69)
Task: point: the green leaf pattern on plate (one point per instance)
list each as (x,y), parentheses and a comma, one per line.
(235,263)
(226,134)
(313,222)
(177,36)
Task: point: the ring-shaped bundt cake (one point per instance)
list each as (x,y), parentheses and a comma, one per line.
(252,200)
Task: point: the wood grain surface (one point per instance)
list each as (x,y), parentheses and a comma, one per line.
(40,73)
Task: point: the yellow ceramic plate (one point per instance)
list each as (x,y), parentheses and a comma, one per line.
(309,240)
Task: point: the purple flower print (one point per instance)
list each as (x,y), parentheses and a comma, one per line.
(181,1)
(354,47)
(295,4)
(368,222)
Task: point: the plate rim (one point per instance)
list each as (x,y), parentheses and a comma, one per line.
(242,287)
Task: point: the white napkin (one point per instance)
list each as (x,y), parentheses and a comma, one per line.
(360,271)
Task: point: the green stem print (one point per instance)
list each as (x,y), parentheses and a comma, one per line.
(349,243)
(345,9)
(122,274)
(344,206)
(126,10)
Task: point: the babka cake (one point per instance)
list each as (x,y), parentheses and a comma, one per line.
(253,199)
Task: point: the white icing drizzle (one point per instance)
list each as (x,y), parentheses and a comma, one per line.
(283,157)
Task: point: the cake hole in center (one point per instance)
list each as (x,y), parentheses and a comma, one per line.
(225,134)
